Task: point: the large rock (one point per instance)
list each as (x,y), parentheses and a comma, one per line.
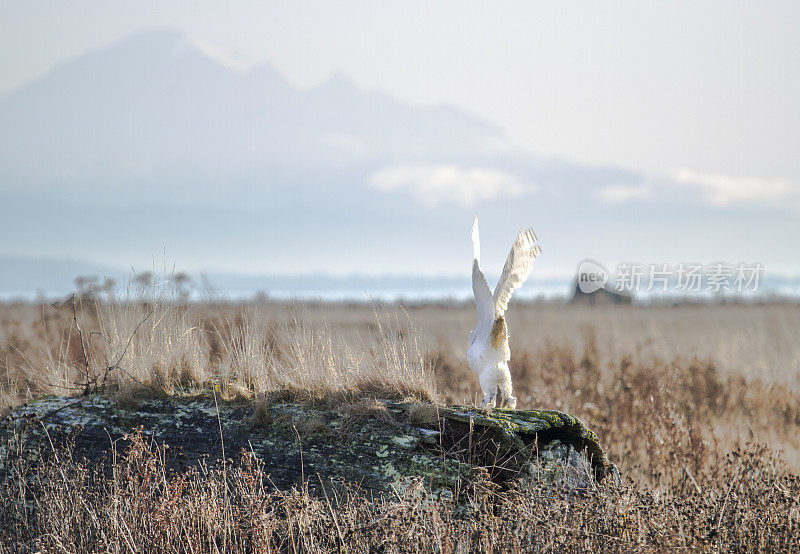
(377,444)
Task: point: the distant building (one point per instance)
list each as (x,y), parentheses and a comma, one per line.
(601,297)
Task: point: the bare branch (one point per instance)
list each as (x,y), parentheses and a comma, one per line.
(83,344)
(130,339)
(116,365)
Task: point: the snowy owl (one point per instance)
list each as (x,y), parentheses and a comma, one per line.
(488,352)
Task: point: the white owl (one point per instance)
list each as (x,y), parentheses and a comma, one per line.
(488,352)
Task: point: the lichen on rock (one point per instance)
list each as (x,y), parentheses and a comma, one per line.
(320,444)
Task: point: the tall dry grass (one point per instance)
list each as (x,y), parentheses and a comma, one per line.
(170,347)
(709,446)
(754,341)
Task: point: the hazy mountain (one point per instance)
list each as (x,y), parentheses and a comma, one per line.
(150,149)
(153,110)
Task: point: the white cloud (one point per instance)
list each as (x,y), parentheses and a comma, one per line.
(432,185)
(625,193)
(709,188)
(722,190)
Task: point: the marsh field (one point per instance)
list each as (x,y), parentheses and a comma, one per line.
(698,405)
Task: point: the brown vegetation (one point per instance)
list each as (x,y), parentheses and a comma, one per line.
(749,503)
(710,450)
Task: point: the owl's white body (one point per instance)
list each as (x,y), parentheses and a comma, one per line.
(488,352)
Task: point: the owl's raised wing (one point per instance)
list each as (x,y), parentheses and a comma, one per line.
(484,303)
(517,268)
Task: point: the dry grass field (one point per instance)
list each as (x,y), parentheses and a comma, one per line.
(699,406)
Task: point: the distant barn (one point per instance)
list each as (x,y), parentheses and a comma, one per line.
(601,297)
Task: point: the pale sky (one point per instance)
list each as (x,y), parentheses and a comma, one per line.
(707,89)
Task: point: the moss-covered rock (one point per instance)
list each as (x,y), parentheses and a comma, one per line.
(385,448)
